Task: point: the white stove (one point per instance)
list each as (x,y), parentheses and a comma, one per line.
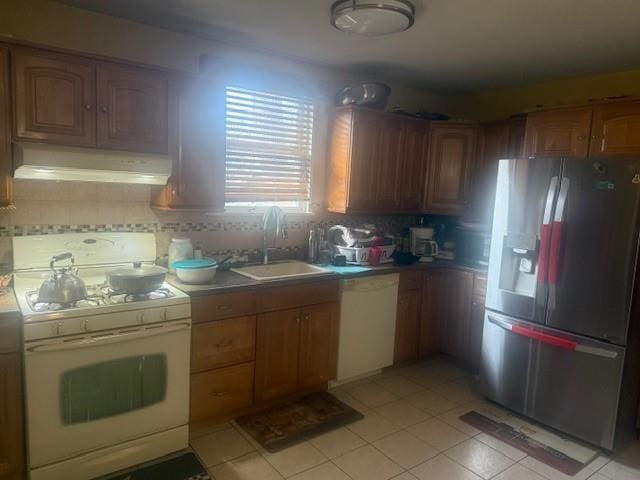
(107,377)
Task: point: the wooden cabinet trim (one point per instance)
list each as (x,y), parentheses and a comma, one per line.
(298,295)
(223,305)
(222,343)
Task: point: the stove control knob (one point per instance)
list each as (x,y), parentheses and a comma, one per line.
(57,329)
(141,317)
(86,326)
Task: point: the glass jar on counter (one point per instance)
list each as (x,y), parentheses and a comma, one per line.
(180,248)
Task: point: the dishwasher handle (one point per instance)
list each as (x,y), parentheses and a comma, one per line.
(370,284)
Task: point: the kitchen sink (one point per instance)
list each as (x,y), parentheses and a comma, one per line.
(281,270)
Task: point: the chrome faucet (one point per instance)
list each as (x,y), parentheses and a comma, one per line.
(273,221)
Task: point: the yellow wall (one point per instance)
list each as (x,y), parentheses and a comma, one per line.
(501,103)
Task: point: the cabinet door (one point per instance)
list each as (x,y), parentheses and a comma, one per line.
(317,345)
(388,165)
(132,109)
(615,130)
(434,310)
(365,150)
(451,151)
(11,435)
(476,327)
(54,98)
(6,193)
(493,145)
(516,138)
(414,166)
(222,342)
(198,177)
(558,133)
(454,326)
(407,326)
(277,351)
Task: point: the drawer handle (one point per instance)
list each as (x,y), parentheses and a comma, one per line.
(227,342)
(224,306)
(220,394)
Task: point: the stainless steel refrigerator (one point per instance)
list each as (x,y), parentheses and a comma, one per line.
(560,340)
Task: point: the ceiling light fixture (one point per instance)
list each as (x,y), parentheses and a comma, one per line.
(371,17)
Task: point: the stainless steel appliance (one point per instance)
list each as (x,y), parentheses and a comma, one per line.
(558,344)
(473,244)
(422,243)
(106,376)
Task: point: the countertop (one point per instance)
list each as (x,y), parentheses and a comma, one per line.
(227,281)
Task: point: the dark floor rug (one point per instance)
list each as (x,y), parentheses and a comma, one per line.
(183,467)
(299,420)
(541,452)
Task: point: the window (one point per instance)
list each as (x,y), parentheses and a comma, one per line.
(268,149)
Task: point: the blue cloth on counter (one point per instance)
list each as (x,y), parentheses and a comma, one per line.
(349,269)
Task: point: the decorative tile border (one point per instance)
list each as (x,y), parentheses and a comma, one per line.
(390,223)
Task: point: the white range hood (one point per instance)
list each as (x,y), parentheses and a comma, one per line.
(50,162)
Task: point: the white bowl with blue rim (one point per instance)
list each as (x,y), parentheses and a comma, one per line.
(195,270)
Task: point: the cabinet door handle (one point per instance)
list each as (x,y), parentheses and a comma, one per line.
(582,137)
(297,320)
(220,394)
(224,306)
(306,317)
(87,106)
(104,109)
(227,342)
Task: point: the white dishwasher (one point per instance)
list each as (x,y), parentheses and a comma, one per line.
(367,325)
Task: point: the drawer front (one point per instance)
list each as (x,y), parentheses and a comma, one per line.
(223,305)
(223,342)
(294,296)
(9,336)
(411,280)
(216,393)
(480,285)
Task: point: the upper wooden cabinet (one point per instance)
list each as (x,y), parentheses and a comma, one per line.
(197,181)
(377,162)
(6,193)
(74,101)
(54,98)
(558,133)
(615,130)
(602,130)
(132,109)
(451,153)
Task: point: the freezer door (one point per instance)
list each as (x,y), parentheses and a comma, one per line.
(593,250)
(567,382)
(525,197)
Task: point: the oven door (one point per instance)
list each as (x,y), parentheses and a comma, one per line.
(89,392)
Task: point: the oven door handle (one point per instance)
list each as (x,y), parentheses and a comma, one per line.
(106,339)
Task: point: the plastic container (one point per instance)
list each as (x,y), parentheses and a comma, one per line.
(195,270)
(360,256)
(179,249)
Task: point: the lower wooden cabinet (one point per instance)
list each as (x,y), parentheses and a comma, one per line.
(434,310)
(454,324)
(219,392)
(294,350)
(221,343)
(11,423)
(407,326)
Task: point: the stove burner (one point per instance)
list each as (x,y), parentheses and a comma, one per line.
(97,295)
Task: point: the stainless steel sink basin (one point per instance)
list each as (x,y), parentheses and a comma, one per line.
(281,270)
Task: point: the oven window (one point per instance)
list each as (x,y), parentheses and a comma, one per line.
(110,388)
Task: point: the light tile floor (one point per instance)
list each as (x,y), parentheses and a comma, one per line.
(411,430)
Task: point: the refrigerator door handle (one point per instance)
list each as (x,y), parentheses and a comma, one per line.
(552,339)
(557,236)
(545,231)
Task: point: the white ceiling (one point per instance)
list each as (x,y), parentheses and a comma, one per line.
(455,45)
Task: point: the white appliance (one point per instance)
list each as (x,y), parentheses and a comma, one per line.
(107,377)
(367,325)
(49,162)
(422,243)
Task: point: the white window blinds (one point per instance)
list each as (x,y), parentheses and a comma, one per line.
(268,146)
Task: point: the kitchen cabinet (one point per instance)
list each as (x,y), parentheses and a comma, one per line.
(451,153)
(615,130)
(558,133)
(407,326)
(476,323)
(434,310)
(6,170)
(294,350)
(54,98)
(132,109)
(454,326)
(11,416)
(221,343)
(76,101)
(197,180)
(377,162)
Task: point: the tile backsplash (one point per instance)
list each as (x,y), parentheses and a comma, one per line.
(48,207)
